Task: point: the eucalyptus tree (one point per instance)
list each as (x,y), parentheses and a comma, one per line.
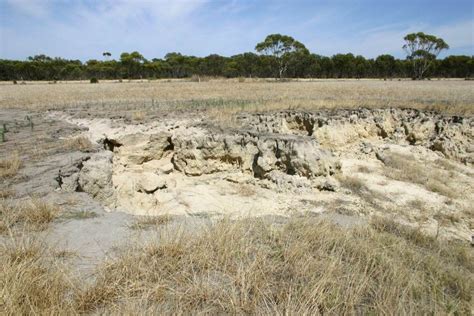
(385,66)
(132,63)
(281,48)
(422,49)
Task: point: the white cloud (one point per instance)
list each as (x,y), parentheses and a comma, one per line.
(388,39)
(85,31)
(119,9)
(457,35)
(77,29)
(160,9)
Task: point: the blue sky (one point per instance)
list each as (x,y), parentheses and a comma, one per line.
(84,29)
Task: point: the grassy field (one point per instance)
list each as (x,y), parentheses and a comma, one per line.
(450,96)
(305,266)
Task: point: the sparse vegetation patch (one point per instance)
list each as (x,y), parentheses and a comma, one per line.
(34,214)
(84,214)
(250,266)
(405,168)
(147,222)
(9,166)
(80,143)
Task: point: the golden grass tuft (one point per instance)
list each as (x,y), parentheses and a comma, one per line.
(9,166)
(32,282)
(80,143)
(138,116)
(34,214)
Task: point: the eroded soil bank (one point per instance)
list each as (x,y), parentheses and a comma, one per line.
(344,165)
(411,165)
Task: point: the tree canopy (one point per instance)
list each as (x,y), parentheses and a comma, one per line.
(282,48)
(277,56)
(422,49)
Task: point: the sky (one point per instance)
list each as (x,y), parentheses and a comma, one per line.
(84,29)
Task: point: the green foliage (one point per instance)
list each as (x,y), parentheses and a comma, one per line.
(385,66)
(277,56)
(422,49)
(279,45)
(131,63)
(94,80)
(284,49)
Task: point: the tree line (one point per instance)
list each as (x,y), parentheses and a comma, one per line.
(278,56)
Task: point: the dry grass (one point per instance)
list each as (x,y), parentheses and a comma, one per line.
(147,222)
(364,169)
(6,193)
(437,185)
(34,214)
(138,116)
(306,266)
(447,218)
(9,166)
(227,96)
(353,183)
(245,190)
(406,168)
(417,204)
(80,143)
(340,206)
(358,187)
(32,281)
(78,215)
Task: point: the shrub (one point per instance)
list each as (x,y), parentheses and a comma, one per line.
(94,80)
